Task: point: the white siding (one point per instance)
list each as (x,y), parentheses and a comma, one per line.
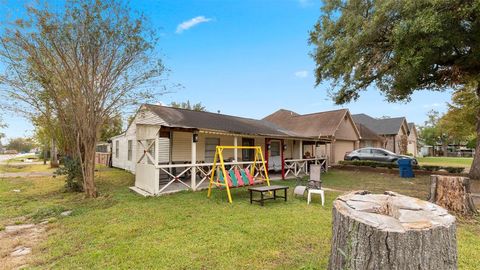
(163,150)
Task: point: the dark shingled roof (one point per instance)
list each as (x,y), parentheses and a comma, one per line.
(322,124)
(387,126)
(183,118)
(368,134)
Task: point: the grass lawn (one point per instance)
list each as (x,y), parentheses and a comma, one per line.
(33,157)
(446,161)
(188,231)
(25,168)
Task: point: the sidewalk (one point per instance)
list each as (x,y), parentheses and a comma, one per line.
(24,174)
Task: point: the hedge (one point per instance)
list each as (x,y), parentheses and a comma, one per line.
(391,165)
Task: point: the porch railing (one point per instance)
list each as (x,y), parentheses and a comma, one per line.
(180,174)
(297,167)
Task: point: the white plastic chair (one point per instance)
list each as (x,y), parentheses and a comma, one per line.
(314,185)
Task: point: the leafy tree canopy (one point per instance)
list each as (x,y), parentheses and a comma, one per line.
(111,127)
(21,144)
(460,119)
(186,105)
(398,46)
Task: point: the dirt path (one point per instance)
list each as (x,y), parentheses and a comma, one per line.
(17,243)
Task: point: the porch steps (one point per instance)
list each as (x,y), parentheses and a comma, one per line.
(140,191)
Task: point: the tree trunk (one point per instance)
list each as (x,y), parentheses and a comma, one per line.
(45,155)
(53,155)
(475,168)
(452,193)
(391,231)
(445,149)
(89,171)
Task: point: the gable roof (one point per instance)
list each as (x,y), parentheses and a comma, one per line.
(387,126)
(320,125)
(368,134)
(411,127)
(183,118)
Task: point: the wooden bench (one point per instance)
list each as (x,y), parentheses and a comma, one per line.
(269,189)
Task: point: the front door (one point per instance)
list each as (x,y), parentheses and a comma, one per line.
(274,156)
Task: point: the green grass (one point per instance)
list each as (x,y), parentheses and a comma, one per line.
(34,157)
(188,231)
(25,168)
(446,161)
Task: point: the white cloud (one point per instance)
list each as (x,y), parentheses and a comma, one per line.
(301,74)
(191,23)
(304,3)
(433,105)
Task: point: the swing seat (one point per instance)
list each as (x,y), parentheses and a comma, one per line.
(240,181)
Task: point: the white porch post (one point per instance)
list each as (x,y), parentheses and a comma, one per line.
(300,150)
(194,169)
(235,151)
(156,181)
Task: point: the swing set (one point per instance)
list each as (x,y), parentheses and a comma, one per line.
(236,177)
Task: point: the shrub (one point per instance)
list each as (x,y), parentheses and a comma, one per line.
(454,169)
(73,171)
(430,168)
(369,163)
(374,164)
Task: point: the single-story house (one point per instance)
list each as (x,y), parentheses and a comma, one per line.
(169,147)
(412,140)
(394,131)
(336,126)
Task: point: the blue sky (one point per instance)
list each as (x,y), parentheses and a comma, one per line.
(247,58)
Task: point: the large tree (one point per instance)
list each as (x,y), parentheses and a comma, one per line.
(399,47)
(461,118)
(79,65)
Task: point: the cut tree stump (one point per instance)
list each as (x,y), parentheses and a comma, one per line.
(452,193)
(391,231)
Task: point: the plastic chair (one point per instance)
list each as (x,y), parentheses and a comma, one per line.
(314,185)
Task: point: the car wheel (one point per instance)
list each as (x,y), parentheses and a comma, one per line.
(355,158)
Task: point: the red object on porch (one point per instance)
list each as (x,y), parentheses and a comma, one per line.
(282,158)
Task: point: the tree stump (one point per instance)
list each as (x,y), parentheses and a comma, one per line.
(391,231)
(452,193)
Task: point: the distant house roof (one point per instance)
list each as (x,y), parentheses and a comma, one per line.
(320,125)
(183,118)
(386,126)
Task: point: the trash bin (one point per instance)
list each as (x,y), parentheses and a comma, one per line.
(405,168)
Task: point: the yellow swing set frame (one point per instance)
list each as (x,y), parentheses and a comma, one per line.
(219,161)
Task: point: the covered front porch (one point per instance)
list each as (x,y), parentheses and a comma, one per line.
(177,159)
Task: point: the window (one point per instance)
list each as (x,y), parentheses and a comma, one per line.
(379,152)
(275,149)
(117,148)
(129,157)
(210,148)
(247,154)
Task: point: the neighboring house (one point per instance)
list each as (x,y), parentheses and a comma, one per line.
(412,140)
(369,138)
(394,131)
(335,126)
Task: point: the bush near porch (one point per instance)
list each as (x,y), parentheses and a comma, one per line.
(188,231)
